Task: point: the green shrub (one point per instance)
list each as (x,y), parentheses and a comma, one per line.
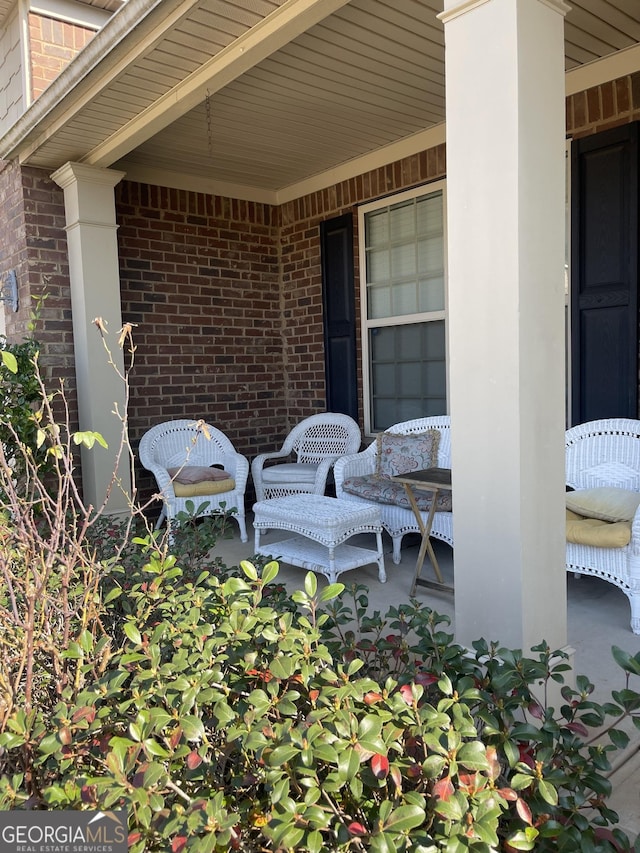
(224,724)
(225,714)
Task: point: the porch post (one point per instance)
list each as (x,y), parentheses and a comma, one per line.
(95,292)
(506,212)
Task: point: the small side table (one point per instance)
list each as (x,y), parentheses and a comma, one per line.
(431,480)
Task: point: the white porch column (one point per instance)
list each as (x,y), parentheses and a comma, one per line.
(95,292)
(505,201)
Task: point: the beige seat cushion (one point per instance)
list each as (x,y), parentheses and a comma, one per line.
(206,487)
(596,532)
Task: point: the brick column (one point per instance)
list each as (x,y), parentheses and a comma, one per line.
(95,292)
(505,201)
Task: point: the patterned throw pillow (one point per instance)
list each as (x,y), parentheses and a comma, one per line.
(399,454)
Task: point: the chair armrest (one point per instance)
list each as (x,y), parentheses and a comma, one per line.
(258,462)
(356,465)
(237,466)
(163,480)
(322,473)
(634,544)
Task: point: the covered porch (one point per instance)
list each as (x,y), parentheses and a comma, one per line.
(188,158)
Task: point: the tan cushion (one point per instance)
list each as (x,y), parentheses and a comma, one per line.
(594,531)
(206,487)
(399,454)
(196,474)
(607,503)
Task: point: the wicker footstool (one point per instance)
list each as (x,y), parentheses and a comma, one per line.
(321,527)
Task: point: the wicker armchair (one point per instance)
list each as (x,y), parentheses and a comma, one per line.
(313,445)
(607,453)
(398,520)
(187,444)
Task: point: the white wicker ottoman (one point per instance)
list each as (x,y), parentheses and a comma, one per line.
(321,526)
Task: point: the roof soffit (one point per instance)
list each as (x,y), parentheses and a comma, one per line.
(263,94)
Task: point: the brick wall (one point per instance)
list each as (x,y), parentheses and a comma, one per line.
(604,107)
(199,277)
(48,277)
(13,249)
(53,44)
(33,242)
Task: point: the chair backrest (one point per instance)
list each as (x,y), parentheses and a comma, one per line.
(173,443)
(440,422)
(603,453)
(323,435)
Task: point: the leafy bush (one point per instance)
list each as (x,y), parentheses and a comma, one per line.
(225,714)
(223,724)
(21,395)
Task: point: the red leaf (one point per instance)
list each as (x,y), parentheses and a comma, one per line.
(178,844)
(396,775)
(371,697)
(494,764)
(468,782)
(407,693)
(87,713)
(133,837)
(579,729)
(138,780)
(356,828)
(536,710)
(193,760)
(508,794)
(526,754)
(524,812)
(444,789)
(88,794)
(426,678)
(380,766)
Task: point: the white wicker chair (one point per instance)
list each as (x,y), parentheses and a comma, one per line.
(607,453)
(314,444)
(185,442)
(398,520)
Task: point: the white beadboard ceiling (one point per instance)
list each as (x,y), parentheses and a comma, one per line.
(369,74)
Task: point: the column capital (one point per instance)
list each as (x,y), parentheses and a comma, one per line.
(73,172)
(456,8)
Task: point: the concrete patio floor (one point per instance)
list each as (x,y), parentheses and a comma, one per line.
(598,618)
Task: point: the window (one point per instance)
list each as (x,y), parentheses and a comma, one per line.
(402,263)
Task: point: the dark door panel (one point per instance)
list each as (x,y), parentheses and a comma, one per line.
(604,275)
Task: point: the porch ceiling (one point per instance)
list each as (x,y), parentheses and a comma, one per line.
(255,97)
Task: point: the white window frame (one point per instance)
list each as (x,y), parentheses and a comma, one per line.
(404,319)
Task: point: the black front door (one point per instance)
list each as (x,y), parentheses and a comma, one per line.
(604,275)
